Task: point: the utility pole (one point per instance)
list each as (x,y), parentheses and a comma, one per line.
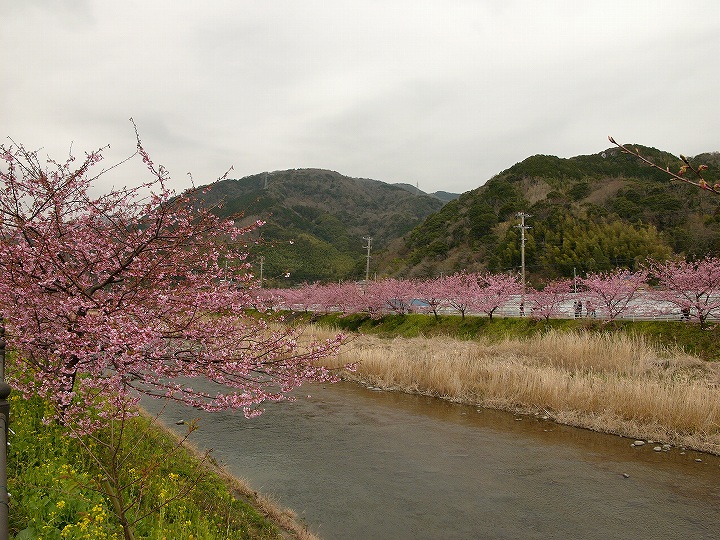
(574,280)
(522,227)
(367,262)
(262,261)
(4,428)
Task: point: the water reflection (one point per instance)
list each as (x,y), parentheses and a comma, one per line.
(357,463)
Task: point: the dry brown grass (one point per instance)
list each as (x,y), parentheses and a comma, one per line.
(610,383)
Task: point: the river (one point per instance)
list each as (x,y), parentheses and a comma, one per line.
(358,464)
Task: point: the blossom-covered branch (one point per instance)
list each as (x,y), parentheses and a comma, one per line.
(104,295)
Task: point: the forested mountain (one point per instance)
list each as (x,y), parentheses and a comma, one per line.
(587,213)
(316,220)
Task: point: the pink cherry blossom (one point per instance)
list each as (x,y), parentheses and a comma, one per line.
(613,292)
(494,291)
(694,287)
(112,296)
(548,301)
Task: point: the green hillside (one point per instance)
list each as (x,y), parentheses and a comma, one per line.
(316,220)
(588,213)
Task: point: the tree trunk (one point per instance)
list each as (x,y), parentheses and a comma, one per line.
(116,500)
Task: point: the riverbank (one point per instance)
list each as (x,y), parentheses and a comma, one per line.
(55,494)
(687,336)
(615,380)
(285,521)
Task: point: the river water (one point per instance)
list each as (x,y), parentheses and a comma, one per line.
(359,464)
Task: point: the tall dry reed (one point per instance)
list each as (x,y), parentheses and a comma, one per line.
(607,382)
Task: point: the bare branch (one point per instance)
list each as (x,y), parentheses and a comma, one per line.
(680,175)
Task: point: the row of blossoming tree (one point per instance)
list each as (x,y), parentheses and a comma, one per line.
(660,289)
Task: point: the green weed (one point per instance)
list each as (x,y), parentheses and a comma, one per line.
(55,495)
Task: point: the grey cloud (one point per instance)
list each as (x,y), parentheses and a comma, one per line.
(443,94)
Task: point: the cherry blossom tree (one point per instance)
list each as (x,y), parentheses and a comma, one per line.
(106,298)
(111,296)
(301,298)
(372,300)
(694,287)
(548,301)
(460,289)
(391,296)
(343,297)
(433,294)
(614,291)
(494,291)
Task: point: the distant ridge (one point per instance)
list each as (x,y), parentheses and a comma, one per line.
(325,215)
(442,195)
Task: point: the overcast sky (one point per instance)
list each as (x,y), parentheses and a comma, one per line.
(443,94)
